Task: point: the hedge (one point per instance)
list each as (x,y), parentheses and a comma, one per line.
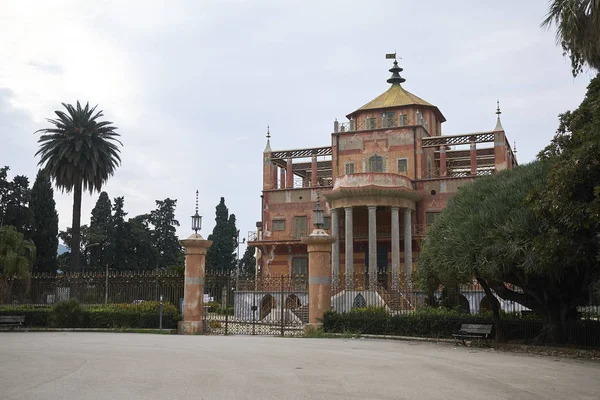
(71,314)
(442,323)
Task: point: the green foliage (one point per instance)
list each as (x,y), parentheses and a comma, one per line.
(577,30)
(67,314)
(65,259)
(16,253)
(166,243)
(15,203)
(141,253)
(248,262)
(45,224)
(120,238)
(221,255)
(101,232)
(79,152)
(70,314)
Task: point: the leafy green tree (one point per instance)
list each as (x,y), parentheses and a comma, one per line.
(101,231)
(45,224)
(141,253)
(168,250)
(16,208)
(120,235)
(80,152)
(569,205)
(248,262)
(221,255)
(17,255)
(4,189)
(577,30)
(488,233)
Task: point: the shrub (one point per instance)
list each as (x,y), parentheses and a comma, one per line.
(67,314)
(34,316)
(213,306)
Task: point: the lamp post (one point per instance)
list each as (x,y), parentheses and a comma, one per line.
(196,218)
(106,274)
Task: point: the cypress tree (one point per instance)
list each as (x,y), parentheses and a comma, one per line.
(45,224)
(166,243)
(221,255)
(101,232)
(120,239)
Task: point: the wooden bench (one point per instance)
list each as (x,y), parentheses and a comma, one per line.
(11,321)
(474,331)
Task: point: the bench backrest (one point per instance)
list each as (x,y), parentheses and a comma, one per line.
(11,319)
(483,329)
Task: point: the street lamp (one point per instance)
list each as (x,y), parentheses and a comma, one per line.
(318,213)
(237,242)
(196,218)
(106,277)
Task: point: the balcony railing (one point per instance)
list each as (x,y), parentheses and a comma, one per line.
(379,123)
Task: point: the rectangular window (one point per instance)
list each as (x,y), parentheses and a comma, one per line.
(349,168)
(279,224)
(300,266)
(299,227)
(401,120)
(371,123)
(375,164)
(388,120)
(402,165)
(430,217)
(326,222)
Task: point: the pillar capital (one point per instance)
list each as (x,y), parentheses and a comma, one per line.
(372,207)
(195,244)
(318,240)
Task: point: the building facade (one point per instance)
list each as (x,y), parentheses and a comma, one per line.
(386,175)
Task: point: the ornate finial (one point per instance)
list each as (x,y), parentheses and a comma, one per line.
(196,201)
(396,78)
(318,213)
(268,146)
(268,133)
(515,147)
(498,112)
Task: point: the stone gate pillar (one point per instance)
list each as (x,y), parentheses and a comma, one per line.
(193,293)
(319,274)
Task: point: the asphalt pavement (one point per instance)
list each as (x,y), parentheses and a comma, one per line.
(78,365)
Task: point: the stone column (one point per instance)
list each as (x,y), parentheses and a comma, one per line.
(372,247)
(319,275)
(442,160)
(314,178)
(289,174)
(395,248)
(349,249)
(193,292)
(473,159)
(335,246)
(407,243)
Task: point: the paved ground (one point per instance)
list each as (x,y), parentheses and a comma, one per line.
(70,365)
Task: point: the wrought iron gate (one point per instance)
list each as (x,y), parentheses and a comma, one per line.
(249,305)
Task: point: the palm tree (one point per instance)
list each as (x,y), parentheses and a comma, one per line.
(577,30)
(80,153)
(16,258)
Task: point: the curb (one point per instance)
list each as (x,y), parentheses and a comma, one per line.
(114,330)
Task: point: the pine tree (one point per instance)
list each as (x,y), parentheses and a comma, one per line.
(221,255)
(141,253)
(16,206)
(120,237)
(101,232)
(45,224)
(166,243)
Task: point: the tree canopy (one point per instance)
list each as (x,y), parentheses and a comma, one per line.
(79,152)
(577,31)
(45,224)
(221,255)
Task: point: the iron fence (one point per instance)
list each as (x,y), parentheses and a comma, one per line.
(93,287)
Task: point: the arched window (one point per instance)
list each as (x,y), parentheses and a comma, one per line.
(375,164)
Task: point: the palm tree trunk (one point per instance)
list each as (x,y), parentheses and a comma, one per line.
(76,228)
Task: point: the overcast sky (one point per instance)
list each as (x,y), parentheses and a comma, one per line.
(192,85)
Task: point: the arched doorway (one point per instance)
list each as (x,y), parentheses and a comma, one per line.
(485,305)
(359,301)
(266,305)
(292,302)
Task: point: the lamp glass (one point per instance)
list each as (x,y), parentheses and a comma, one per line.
(196,222)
